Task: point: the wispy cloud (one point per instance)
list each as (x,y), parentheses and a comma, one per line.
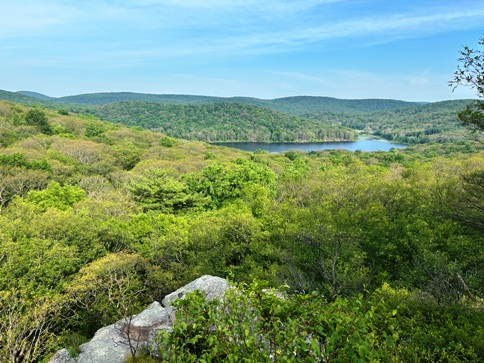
(368,30)
(246,24)
(349,83)
(400,25)
(277,6)
(162,37)
(27,17)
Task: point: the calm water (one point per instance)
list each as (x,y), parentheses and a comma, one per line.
(363,145)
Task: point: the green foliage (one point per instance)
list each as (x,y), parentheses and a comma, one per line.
(259,151)
(127,155)
(37,117)
(27,326)
(215,122)
(468,203)
(94,129)
(425,123)
(56,196)
(292,105)
(209,155)
(108,289)
(167,141)
(393,157)
(215,119)
(473,117)
(435,333)
(22,98)
(122,207)
(141,358)
(230,242)
(471,73)
(156,189)
(220,184)
(291,155)
(19,160)
(253,324)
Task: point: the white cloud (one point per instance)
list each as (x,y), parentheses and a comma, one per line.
(349,83)
(277,6)
(385,27)
(246,24)
(28,17)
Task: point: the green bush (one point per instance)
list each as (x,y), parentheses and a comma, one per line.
(252,324)
(37,117)
(167,141)
(56,196)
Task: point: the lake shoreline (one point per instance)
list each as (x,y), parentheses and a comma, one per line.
(363,144)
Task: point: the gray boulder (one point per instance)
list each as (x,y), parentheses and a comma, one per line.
(62,356)
(211,286)
(111,344)
(108,345)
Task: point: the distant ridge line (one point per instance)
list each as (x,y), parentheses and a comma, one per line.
(296,105)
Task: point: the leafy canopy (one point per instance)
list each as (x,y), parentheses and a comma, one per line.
(471,73)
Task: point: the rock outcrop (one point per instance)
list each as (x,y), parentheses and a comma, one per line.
(111,344)
(213,287)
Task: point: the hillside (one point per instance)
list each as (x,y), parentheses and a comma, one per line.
(97,220)
(427,123)
(220,122)
(113,97)
(301,105)
(292,119)
(22,98)
(292,105)
(36,95)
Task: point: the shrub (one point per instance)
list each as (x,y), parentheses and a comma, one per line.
(37,117)
(266,325)
(167,141)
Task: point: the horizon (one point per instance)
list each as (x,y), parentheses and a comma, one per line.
(346,49)
(228,97)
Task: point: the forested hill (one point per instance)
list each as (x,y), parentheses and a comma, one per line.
(432,122)
(36,95)
(23,98)
(290,119)
(214,122)
(293,105)
(113,97)
(307,104)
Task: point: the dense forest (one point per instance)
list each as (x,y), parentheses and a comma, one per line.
(379,254)
(215,122)
(292,105)
(427,123)
(290,119)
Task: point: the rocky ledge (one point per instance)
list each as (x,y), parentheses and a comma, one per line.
(111,344)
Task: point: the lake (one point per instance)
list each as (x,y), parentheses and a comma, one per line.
(277,147)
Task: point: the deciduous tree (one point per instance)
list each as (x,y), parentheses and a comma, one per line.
(471,73)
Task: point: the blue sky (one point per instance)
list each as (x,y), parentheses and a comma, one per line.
(399,49)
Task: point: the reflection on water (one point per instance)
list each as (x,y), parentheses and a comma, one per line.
(363,145)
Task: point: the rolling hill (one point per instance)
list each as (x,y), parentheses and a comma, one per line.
(215,122)
(432,122)
(300,118)
(293,105)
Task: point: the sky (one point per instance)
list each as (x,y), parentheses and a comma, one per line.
(353,49)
